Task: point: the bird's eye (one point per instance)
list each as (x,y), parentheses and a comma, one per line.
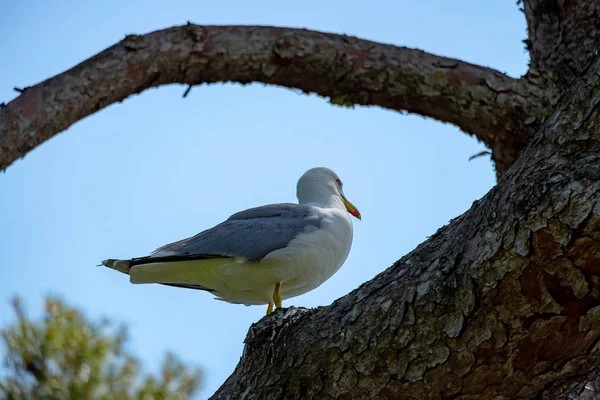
(338,182)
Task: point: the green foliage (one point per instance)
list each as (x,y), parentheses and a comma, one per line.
(66,356)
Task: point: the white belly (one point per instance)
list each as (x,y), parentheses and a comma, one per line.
(311,259)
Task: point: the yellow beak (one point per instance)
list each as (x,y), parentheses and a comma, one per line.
(350,207)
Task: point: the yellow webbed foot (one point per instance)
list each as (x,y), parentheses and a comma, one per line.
(276,299)
(277,296)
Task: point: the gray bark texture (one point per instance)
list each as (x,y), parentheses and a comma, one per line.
(501,303)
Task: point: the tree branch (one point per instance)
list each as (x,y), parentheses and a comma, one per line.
(500,111)
(503,302)
(564,36)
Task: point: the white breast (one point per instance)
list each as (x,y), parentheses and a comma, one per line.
(312,258)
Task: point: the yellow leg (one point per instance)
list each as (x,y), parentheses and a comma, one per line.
(277,296)
(270,308)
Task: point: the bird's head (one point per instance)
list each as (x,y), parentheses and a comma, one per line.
(317,185)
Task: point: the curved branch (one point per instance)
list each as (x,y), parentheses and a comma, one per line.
(499,110)
(503,302)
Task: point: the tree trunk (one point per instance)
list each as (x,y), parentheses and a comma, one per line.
(563,36)
(504,301)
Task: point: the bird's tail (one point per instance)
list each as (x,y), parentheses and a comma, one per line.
(117,265)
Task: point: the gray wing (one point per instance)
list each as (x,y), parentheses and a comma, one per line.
(251,234)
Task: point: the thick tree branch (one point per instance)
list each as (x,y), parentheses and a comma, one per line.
(500,111)
(503,302)
(564,36)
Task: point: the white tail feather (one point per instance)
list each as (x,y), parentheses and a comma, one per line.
(117,265)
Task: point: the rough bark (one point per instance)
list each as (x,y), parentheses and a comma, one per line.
(503,302)
(500,111)
(564,36)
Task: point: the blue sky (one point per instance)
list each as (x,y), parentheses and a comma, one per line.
(158,168)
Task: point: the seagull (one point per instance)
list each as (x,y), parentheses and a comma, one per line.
(262,255)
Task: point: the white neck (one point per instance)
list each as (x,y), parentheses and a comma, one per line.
(332,201)
(319,195)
